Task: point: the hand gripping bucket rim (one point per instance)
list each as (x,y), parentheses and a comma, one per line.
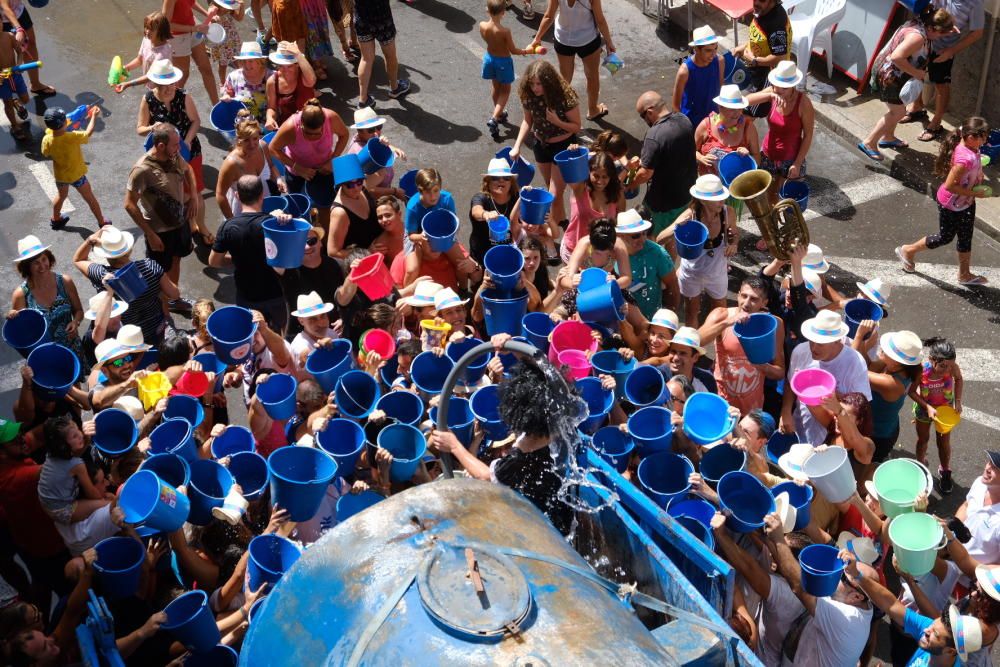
(573,164)
(191,621)
(26,330)
(535,329)
(916,538)
(603,367)
(269,557)
(55,367)
(812,385)
(704,411)
(210,484)
(504,263)
(147,500)
(898,483)
(461,419)
(372,277)
(289,486)
(277,395)
(757,336)
(830,473)
(223,116)
(745,497)
(697,508)
(503,315)
(403,406)
(356,394)
(617,459)
(152,388)
(231,350)
(485,404)
(860,309)
(800,497)
(379,341)
(119,565)
(335,442)
(128,282)
(125,431)
(947,419)
(402,469)
(285,244)
(576,361)
(328,376)
(445,226)
(523,170)
(375,155)
(820,582)
(156,463)
(690,238)
(252,482)
(535,205)
(647,476)
(242,441)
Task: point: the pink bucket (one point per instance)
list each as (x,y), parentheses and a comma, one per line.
(578,362)
(570,335)
(812,385)
(372,276)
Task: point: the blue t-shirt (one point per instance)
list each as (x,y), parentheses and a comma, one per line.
(914,625)
(415,211)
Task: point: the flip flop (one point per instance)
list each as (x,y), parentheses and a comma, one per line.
(44,91)
(895,143)
(600,114)
(973,281)
(908,265)
(930,134)
(875,155)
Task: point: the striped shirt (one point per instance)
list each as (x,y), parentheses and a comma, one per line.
(968,16)
(147,311)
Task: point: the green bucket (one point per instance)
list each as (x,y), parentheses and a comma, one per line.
(898,483)
(917,537)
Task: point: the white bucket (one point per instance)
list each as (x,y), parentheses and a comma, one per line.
(830,472)
(216,33)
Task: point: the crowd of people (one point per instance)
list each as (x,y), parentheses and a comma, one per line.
(373,267)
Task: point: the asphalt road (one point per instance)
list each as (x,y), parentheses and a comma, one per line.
(857,212)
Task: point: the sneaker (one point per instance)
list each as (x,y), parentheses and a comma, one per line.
(494,127)
(370,102)
(945,485)
(402,88)
(60,223)
(181,306)
(503,117)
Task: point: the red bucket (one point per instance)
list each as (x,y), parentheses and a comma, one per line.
(372,276)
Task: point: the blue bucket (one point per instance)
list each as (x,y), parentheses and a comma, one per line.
(474,372)
(756,335)
(375,155)
(858,310)
(797,191)
(499,228)
(747,500)
(736,72)
(231,329)
(440,227)
(188,408)
(115,432)
(485,404)
(509,359)
(611,362)
(174,436)
(700,531)
(328,364)
(429,371)
(146,500)
(523,170)
(408,182)
(269,557)
(356,394)
(55,370)
(128,283)
(821,569)
(535,205)
(277,395)
(119,566)
(651,430)
(26,331)
(707,418)
(185,150)
(407,445)
(698,509)
(191,621)
(298,205)
(210,482)
(645,386)
(719,460)
(461,420)
(344,440)
(150,357)
(388,372)
(613,446)
(249,470)
(285,245)
(274,203)
(733,164)
(601,304)
(536,327)
(403,406)
(299,477)
(212,364)
(503,264)
(574,165)
(664,476)
(690,238)
(502,314)
(219,655)
(799,497)
(233,440)
(778,444)
(223,117)
(599,403)
(354,503)
(915,6)
(171,468)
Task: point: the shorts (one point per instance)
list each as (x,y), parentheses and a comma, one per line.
(781,167)
(939,72)
(920,415)
(545,153)
(320,189)
(24,19)
(883,446)
(13,87)
(176,243)
(497,68)
(78,183)
(663,219)
(758,82)
(889,93)
(582,51)
(182,44)
(373,21)
(708,273)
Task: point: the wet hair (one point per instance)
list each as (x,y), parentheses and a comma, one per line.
(246,125)
(764,421)
(249,188)
(24,266)
(217,538)
(612,143)
(687,387)
(496,7)
(602,234)
(758,283)
(526,401)
(602,160)
(427,179)
(797,541)
(972,127)
(309,393)
(55,431)
(409,347)
(381,315)
(388,200)
(312,114)
(557,93)
(862,406)
(936,19)
(940,348)
(355,253)
(203,308)
(17,651)
(159,25)
(174,351)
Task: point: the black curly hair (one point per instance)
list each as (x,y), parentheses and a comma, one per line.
(526,399)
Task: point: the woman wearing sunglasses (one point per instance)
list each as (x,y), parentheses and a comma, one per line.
(353,217)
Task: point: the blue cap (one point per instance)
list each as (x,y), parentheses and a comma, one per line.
(55,118)
(766,421)
(347,168)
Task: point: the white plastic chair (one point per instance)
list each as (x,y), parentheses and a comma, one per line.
(815,31)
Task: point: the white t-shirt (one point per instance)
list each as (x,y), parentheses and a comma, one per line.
(936,591)
(849,369)
(777,614)
(265,359)
(984,524)
(303,342)
(835,636)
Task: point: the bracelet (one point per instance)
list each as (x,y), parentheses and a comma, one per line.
(19,29)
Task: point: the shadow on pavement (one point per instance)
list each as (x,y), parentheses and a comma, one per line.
(454,19)
(431,127)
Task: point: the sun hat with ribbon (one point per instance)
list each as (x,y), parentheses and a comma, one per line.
(988,577)
(863,548)
(665,318)
(815,260)
(28,247)
(423,294)
(282,57)
(786,511)
(791,462)
(813,282)
(499,167)
(130,336)
(688,337)
(113,243)
(365,119)
(901,346)
(162,72)
(98,300)
(966,632)
(876,290)
(250,51)
(226,4)
(785,75)
(310,305)
(730,97)
(109,349)
(709,188)
(630,222)
(447,298)
(827,327)
(703,36)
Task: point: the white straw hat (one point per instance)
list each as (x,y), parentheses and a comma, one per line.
(731,97)
(665,318)
(988,577)
(785,510)
(98,300)
(280,57)
(130,337)
(630,222)
(966,632)
(28,247)
(423,294)
(813,282)
(815,260)
(162,72)
(365,118)
(785,75)
(791,462)
(109,349)
(310,305)
(862,547)
(688,337)
(876,290)
(499,167)
(250,51)
(709,188)
(827,327)
(131,405)
(447,298)
(902,346)
(114,243)
(703,36)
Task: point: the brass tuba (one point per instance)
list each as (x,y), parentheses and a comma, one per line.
(782,226)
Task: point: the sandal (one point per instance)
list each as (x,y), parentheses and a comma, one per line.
(908,265)
(895,143)
(973,281)
(873,154)
(602,111)
(930,134)
(44,91)
(914,117)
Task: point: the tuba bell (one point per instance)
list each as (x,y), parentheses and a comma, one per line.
(782,226)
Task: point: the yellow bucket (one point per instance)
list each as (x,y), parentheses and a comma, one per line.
(152,388)
(433,334)
(947,419)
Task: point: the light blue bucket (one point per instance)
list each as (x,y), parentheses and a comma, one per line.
(757,335)
(613,446)
(299,477)
(574,165)
(285,244)
(707,418)
(645,385)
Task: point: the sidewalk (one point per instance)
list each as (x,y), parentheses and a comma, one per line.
(852,116)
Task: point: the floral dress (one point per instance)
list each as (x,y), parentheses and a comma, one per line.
(317,29)
(225,52)
(57,316)
(175,115)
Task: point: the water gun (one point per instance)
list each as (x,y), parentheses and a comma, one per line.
(76,117)
(117,73)
(6,72)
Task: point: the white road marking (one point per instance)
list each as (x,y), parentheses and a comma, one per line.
(981,418)
(979,364)
(47,182)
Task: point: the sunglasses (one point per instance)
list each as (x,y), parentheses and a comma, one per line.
(353,184)
(121,361)
(312,240)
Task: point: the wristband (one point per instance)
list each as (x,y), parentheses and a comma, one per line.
(19,29)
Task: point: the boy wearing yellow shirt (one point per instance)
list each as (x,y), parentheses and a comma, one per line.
(67,162)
